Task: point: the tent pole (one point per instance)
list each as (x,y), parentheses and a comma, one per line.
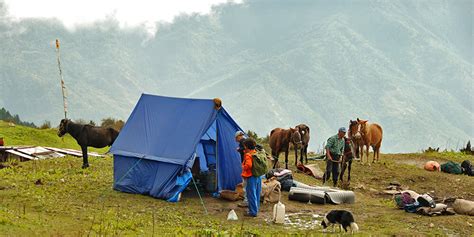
(217,155)
(199,194)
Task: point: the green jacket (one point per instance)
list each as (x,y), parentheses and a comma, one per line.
(335,145)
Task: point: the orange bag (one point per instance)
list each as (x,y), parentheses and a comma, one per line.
(432,166)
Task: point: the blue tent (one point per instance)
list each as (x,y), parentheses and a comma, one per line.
(162,138)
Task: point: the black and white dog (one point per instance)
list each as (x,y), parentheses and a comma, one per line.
(341,218)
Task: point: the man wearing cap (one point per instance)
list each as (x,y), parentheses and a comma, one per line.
(239,137)
(334,151)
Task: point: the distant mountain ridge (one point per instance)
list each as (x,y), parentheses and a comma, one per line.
(406,65)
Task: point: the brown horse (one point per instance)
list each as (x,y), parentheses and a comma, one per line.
(304,131)
(347,160)
(87,135)
(280,142)
(368,135)
(356,144)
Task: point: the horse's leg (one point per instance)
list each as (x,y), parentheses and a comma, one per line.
(378,152)
(359,147)
(375,151)
(343,168)
(327,172)
(302,155)
(367,152)
(85,161)
(349,171)
(275,158)
(296,156)
(286,158)
(306,154)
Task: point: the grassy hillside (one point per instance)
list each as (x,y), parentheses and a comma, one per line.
(315,62)
(57,198)
(20,135)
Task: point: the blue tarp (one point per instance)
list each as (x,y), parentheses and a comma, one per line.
(160,140)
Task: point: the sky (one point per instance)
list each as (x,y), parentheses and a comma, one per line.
(128,12)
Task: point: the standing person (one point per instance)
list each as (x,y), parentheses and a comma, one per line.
(239,137)
(254,184)
(334,151)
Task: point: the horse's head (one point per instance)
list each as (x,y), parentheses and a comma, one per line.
(296,138)
(352,129)
(63,127)
(304,131)
(357,129)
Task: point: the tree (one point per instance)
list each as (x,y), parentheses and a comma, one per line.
(112,123)
(108,122)
(46,125)
(6,116)
(80,121)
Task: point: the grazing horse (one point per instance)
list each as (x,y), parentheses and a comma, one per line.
(280,141)
(304,131)
(87,135)
(347,159)
(368,135)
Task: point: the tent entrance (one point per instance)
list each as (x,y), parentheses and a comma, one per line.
(205,165)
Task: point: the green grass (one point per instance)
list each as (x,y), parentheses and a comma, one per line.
(75,202)
(20,135)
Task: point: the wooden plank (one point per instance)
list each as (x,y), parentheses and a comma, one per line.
(21,155)
(95,154)
(64,151)
(41,152)
(73,152)
(34,150)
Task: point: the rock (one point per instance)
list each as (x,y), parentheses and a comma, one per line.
(431,225)
(396,183)
(469,224)
(360,186)
(38,182)
(373,190)
(62,180)
(391,192)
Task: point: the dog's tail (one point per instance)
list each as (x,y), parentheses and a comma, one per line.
(354,227)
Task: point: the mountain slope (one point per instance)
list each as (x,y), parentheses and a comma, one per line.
(405,65)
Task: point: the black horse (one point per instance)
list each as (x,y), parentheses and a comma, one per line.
(347,158)
(87,135)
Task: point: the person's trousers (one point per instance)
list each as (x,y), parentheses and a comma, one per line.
(332,167)
(244,185)
(254,188)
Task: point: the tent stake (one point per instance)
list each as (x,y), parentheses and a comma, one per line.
(199,194)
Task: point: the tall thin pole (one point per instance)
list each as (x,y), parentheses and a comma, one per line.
(63,87)
(217,155)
